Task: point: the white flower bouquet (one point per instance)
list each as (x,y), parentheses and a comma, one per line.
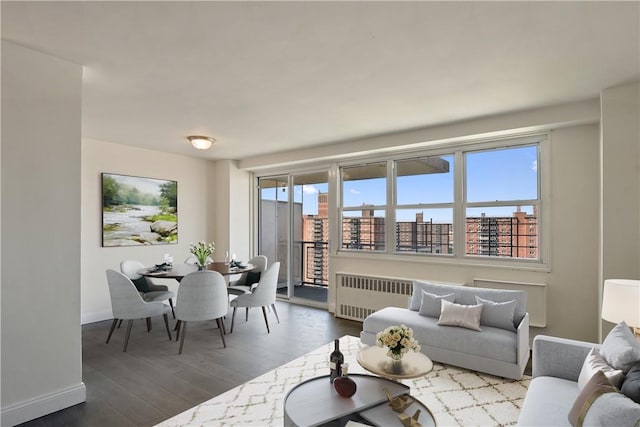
(398,339)
(201,251)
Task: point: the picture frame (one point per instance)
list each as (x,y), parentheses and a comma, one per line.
(138,211)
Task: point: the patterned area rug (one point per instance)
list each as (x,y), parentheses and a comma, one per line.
(455,396)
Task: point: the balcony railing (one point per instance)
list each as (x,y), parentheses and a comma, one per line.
(315,263)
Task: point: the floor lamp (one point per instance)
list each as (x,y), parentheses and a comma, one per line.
(621,301)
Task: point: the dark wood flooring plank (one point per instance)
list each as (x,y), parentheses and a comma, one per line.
(151,382)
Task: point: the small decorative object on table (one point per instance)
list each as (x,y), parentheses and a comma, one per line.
(412,421)
(400,403)
(398,340)
(201,251)
(336,359)
(344,385)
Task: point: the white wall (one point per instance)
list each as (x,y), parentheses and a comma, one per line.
(233,211)
(572,279)
(574,243)
(620,163)
(195,215)
(41,337)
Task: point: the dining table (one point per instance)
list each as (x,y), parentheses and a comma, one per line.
(178,271)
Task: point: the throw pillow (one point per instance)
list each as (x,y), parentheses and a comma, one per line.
(497,314)
(620,348)
(594,363)
(431,305)
(141,284)
(466,316)
(631,384)
(253,277)
(596,386)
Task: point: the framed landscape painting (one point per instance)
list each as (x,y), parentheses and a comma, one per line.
(138,211)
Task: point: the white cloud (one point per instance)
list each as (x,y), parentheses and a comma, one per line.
(534,165)
(354,191)
(309,189)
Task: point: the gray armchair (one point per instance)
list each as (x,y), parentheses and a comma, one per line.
(127,304)
(263,295)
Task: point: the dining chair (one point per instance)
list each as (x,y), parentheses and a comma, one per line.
(263,295)
(148,290)
(249,279)
(127,304)
(202,296)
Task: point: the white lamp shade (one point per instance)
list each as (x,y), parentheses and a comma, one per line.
(621,301)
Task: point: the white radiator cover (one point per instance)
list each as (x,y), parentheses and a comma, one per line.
(358,296)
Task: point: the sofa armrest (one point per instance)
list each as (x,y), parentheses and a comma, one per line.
(523,341)
(559,357)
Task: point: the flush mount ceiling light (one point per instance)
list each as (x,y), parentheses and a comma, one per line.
(201,142)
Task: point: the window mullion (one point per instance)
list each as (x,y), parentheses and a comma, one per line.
(459,205)
(390,212)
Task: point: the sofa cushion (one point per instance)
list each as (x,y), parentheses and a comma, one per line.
(431,305)
(467,295)
(465,316)
(613,409)
(598,384)
(497,314)
(631,384)
(547,402)
(492,343)
(594,363)
(620,348)
(430,287)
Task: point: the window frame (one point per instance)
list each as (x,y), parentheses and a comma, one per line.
(460,204)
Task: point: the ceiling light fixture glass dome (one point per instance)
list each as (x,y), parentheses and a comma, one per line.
(201,142)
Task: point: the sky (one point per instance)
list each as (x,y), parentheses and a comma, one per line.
(494,175)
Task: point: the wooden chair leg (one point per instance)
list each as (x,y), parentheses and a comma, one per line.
(120,324)
(177,329)
(126,337)
(221,328)
(233,318)
(148,324)
(166,324)
(183,333)
(247,315)
(264,313)
(275,312)
(113,326)
(224,329)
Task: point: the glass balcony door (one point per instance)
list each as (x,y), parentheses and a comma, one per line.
(294,229)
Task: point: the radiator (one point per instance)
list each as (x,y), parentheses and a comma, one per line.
(358,296)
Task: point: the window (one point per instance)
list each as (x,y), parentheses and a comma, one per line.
(364,203)
(424,205)
(477,200)
(502,200)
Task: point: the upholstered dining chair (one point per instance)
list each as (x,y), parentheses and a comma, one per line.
(249,278)
(202,296)
(148,290)
(127,304)
(263,295)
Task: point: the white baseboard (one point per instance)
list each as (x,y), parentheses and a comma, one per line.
(42,405)
(96,316)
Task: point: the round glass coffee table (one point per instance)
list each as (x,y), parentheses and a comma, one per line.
(413,365)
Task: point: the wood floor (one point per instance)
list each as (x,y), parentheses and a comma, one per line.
(151,382)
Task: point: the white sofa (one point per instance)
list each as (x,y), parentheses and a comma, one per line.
(494,350)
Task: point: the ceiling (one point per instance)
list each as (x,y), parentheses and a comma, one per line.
(263,77)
